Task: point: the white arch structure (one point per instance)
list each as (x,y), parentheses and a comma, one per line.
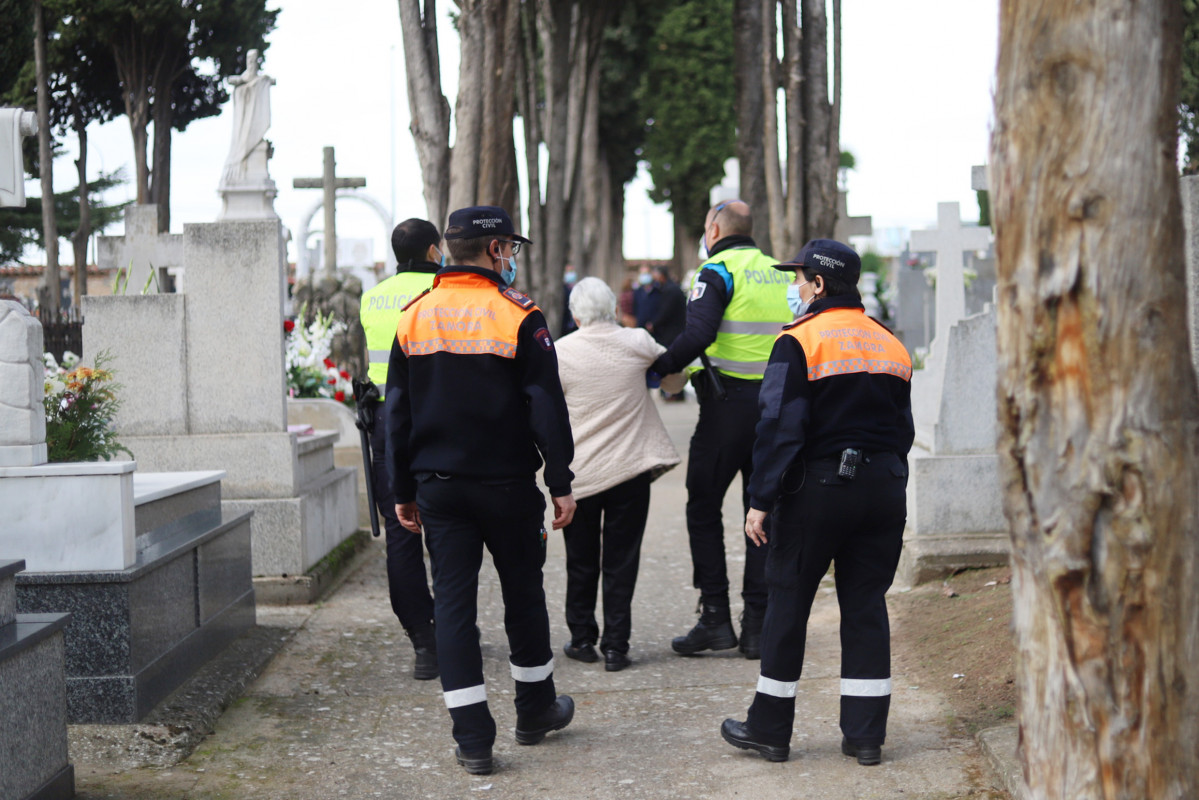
(302,266)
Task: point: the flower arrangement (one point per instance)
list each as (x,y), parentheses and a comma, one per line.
(310,371)
(80,404)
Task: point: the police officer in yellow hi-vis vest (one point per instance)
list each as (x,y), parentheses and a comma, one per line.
(415,243)
(738,304)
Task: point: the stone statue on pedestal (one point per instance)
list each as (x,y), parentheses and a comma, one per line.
(246,186)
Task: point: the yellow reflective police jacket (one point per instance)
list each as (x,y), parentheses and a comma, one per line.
(754,316)
(380,316)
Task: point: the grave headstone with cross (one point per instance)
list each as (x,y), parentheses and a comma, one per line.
(955,509)
(141,250)
(329,183)
(850,226)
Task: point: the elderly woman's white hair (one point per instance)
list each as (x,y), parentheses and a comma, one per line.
(592,300)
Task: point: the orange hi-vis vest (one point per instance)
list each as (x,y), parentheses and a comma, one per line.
(463,314)
(843,341)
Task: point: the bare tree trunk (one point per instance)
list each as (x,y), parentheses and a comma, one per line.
(527,107)
(84,231)
(48,288)
(555,27)
(749,79)
(160,175)
(794,226)
(428,108)
(834,136)
(776,227)
(468,108)
(1098,403)
(820,180)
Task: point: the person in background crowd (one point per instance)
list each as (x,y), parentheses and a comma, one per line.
(830,470)
(646,298)
(621,446)
(569,277)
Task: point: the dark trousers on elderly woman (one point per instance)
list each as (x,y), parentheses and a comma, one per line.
(605,538)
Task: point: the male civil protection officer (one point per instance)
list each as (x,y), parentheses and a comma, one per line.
(830,469)
(415,243)
(737,305)
(473,406)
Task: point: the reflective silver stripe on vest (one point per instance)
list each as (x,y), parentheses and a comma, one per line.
(532,674)
(861,687)
(744,367)
(466,697)
(759,328)
(379,356)
(775,688)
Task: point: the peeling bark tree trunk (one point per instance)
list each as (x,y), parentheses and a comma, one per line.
(774,227)
(794,227)
(84,231)
(428,108)
(1097,395)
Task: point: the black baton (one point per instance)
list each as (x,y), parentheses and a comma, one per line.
(365,395)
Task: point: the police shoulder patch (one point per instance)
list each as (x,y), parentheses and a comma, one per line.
(413,300)
(543,338)
(697,291)
(522,300)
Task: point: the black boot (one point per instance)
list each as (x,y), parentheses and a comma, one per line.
(424,668)
(714,631)
(751,632)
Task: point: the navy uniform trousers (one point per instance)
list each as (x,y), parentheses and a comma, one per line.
(722,446)
(461,516)
(407,582)
(857,526)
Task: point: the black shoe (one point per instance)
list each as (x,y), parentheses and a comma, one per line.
(615,661)
(714,631)
(738,735)
(751,633)
(424,644)
(479,763)
(868,755)
(554,718)
(581,651)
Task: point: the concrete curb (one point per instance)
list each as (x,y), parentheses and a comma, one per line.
(999,747)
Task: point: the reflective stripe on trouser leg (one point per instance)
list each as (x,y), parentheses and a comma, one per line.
(865,705)
(465,697)
(532,674)
(784,689)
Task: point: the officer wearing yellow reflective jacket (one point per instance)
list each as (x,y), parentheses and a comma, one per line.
(737,306)
(415,243)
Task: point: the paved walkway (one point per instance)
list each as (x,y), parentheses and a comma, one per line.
(337,713)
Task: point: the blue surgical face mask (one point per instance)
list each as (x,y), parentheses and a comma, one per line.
(798,305)
(645,279)
(508,273)
(442,262)
(703,248)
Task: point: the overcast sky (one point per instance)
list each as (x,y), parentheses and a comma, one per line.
(917,105)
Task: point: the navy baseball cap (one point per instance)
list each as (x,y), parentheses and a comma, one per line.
(827,257)
(476,221)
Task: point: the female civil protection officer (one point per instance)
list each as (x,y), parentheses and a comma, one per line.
(830,468)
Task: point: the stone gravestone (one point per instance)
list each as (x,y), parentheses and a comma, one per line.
(915,315)
(955,511)
(156,579)
(142,250)
(204,374)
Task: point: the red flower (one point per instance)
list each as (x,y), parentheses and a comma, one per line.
(339,397)
(288,326)
(333,381)
(345,375)
(329,364)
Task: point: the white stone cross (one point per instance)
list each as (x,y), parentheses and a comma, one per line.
(949,241)
(141,249)
(846,225)
(15,124)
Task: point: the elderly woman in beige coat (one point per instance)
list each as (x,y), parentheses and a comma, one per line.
(621,446)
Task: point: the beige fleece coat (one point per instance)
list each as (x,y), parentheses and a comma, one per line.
(617,431)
